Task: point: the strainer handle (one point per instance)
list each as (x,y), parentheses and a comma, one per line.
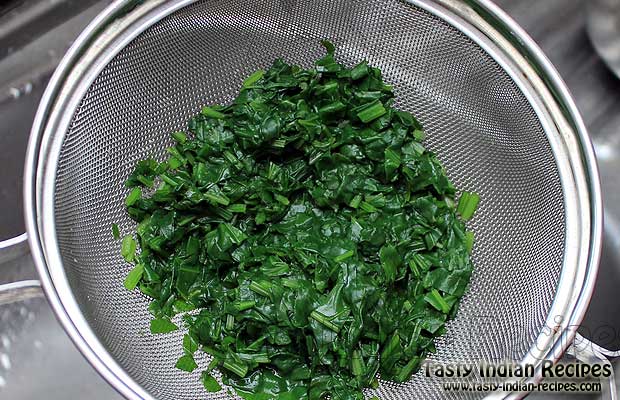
(586,351)
(14,258)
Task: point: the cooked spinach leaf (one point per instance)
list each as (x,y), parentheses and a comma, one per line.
(312,235)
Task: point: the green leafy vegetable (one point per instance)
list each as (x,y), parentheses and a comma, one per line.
(210,384)
(371,111)
(133,197)
(189,344)
(116,233)
(162,325)
(186,363)
(469,240)
(434,299)
(313,237)
(128,248)
(134,276)
(252,79)
(180,137)
(468,202)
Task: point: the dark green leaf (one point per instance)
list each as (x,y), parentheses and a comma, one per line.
(189,344)
(116,233)
(210,384)
(186,363)
(391,261)
(162,326)
(436,300)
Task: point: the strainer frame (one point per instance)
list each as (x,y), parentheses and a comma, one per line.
(482,21)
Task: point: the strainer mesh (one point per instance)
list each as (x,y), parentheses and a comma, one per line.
(477,120)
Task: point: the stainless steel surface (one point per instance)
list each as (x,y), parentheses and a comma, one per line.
(20,291)
(559,28)
(603,24)
(37,358)
(590,353)
(38,15)
(34,35)
(557,25)
(38,361)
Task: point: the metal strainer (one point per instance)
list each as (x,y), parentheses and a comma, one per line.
(495,111)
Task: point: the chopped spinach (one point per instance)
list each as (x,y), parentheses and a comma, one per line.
(116,232)
(313,237)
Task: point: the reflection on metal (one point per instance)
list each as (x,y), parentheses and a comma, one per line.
(11,249)
(19,291)
(603,25)
(588,352)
